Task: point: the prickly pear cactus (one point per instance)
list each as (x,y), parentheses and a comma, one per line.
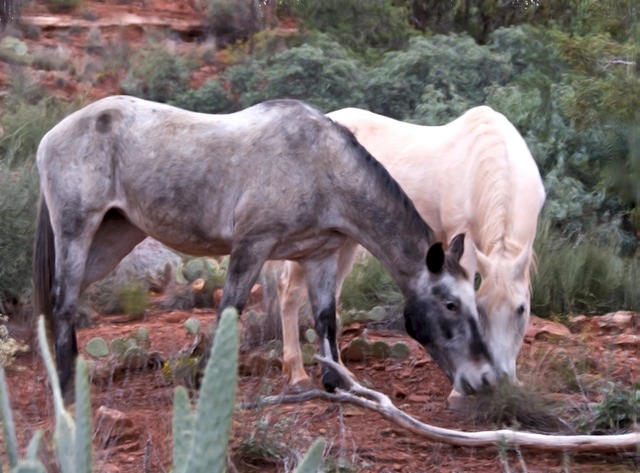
(211,424)
(97,347)
(311,462)
(72,442)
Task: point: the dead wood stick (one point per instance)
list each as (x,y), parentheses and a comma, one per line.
(361,396)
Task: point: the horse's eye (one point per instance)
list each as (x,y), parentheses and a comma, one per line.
(452,306)
(477,280)
(520,309)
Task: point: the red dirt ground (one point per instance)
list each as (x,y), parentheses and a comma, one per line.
(362,440)
(357,440)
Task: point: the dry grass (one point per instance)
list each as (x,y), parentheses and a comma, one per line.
(516,407)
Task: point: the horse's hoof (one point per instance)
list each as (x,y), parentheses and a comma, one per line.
(301,386)
(332,381)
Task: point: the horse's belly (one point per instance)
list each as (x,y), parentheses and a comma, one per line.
(310,247)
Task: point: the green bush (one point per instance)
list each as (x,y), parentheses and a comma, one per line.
(369,285)
(210,98)
(454,66)
(26,116)
(323,74)
(617,413)
(25,119)
(581,275)
(232,20)
(358,24)
(63,5)
(157,74)
(18,197)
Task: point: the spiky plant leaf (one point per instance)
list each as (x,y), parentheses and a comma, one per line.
(183,419)
(64,432)
(214,408)
(84,431)
(29,466)
(34,445)
(311,462)
(8,427)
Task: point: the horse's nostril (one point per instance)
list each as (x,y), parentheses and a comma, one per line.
(467,388)
(486,382)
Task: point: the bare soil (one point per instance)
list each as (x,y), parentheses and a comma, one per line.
(357,440)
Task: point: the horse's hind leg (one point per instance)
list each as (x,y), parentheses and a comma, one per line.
(72,243)
(292,295)
(321,277)
(81,260)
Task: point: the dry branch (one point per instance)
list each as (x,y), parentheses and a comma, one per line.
(379,402)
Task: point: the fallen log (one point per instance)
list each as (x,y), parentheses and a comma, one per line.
(370,399)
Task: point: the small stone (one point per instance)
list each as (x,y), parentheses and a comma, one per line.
(107,468)
(626,341)
(543,329)
(616,321)
(114,428)
(258,364)
(175,317)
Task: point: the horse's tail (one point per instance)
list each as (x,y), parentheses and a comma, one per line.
(44,260)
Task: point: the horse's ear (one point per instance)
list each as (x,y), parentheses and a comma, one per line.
(435,258)
(521,263)
(484,263)
(456,248)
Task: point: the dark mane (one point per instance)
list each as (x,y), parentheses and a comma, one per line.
(385,179)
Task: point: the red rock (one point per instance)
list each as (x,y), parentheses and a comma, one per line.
(542,329)
(114,428)
(617,321)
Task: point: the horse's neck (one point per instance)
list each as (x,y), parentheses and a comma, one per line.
(377,213)
(401,248)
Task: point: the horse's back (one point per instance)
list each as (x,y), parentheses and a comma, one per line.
(495,144)
(458,172)
(192,180)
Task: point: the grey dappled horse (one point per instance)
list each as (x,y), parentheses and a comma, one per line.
(278,180)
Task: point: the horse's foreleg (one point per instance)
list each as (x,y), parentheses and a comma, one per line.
(245,262)
(321,277)
(346,258)
(292,294)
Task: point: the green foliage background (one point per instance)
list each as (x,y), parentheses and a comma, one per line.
(566,73)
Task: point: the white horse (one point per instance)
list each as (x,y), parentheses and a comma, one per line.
(473,175)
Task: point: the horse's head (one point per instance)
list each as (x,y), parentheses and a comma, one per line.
(442,316)
(504,306)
